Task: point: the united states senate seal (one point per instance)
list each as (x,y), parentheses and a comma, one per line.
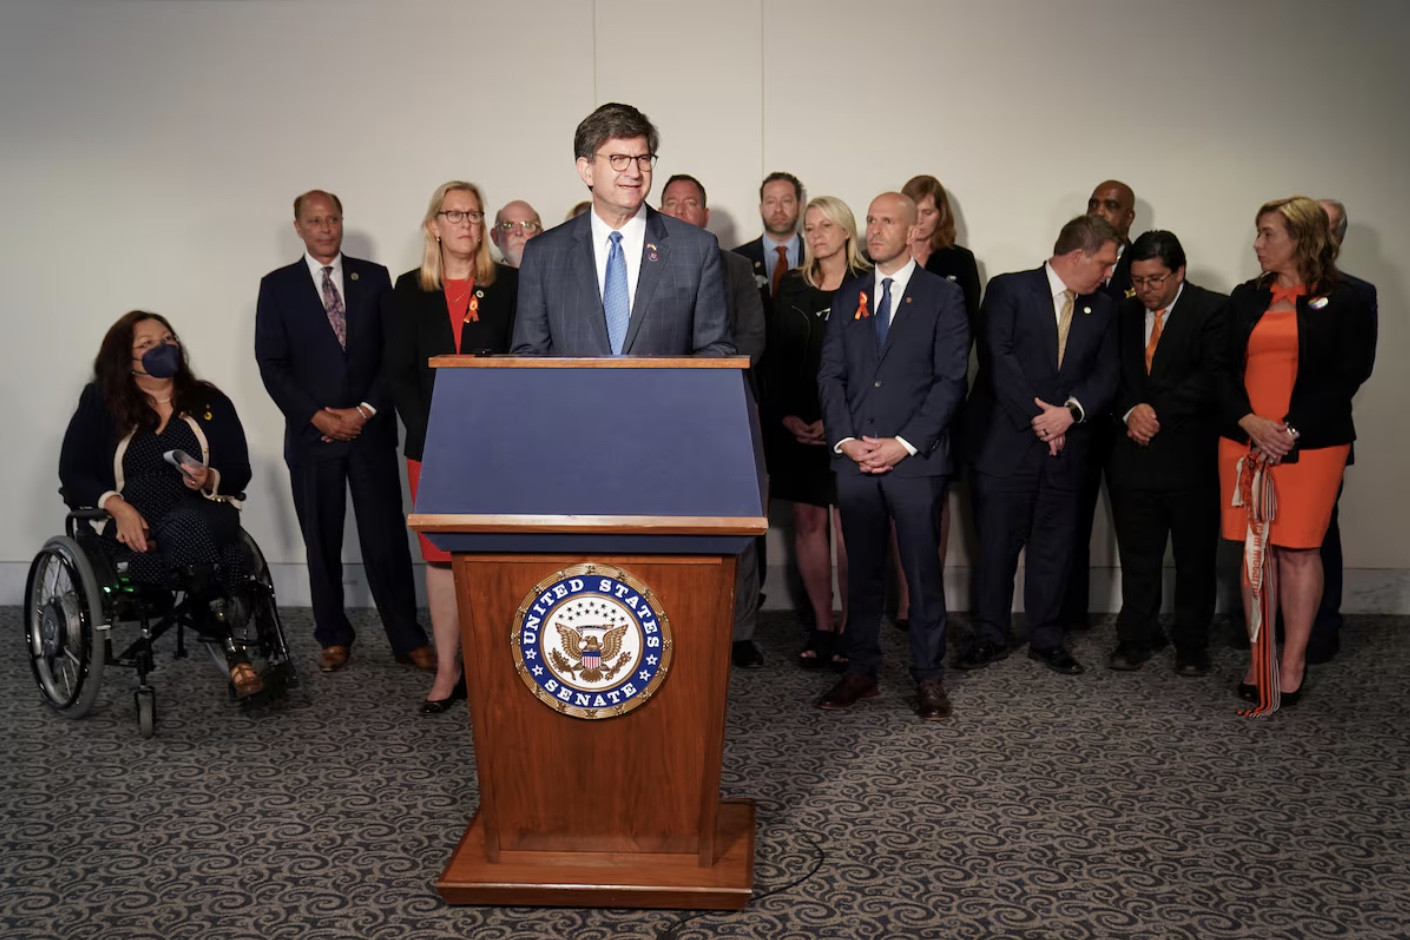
(591,641)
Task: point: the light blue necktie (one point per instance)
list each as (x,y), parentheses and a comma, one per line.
(614,295)
(883,313)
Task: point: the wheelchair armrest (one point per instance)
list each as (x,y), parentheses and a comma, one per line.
(84,514)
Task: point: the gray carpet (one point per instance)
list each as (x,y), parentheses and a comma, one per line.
(1106,805)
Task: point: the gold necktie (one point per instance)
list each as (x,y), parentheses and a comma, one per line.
(1155,338)
(1064,323)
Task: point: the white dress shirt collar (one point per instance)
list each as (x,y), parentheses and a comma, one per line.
(315,268)
(633,243)
(899,280)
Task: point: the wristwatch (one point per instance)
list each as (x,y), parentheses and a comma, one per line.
(1075,411)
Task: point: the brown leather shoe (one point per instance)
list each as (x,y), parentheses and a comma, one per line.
(333,658)
(423,657)
(932,704)
(847,691)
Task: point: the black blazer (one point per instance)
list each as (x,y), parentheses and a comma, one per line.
(911,387)
(1182,388)
(88,466)
(305,369)
(764,267)
(1119,287)
(956,263)
(1018,362)
(1336,347)
(418,327)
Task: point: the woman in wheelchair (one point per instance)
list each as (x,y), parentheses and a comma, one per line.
(163,453)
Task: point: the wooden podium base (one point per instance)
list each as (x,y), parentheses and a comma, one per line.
(607,879)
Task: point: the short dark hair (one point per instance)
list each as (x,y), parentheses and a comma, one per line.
(787,177)
(299,200)
(1161,244)
(687,178)
(613,121)
(1088,232)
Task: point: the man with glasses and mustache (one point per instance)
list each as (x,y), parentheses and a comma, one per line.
(621,279)
(514,225)
(1164,471)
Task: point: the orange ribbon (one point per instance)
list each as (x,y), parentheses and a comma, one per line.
(863,311)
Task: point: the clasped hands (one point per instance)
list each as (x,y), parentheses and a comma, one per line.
(805,432)
(339,424)
(875,454)
(1272,440)
(1051,425)
(1142,424)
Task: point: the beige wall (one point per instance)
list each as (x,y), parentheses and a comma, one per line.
(152,150)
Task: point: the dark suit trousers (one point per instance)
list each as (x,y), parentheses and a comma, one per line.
(1032,506)
(1076,602)
(1328,622)
(320,498)
(868,504)
(1143,519)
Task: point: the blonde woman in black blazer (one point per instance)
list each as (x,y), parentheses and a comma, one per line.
(458,301)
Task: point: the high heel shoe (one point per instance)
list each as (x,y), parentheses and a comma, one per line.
(1248,691)
(435,706)
(1289,699)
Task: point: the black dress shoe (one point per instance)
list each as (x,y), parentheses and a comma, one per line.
(981,654)
(847,691)
(1058,659)
(932,704)
(435,706)
(1159,641)
(1128,658)
(1192,663)
(1248,691)
(746,655)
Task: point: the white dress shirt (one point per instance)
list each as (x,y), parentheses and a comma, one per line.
(633,242)
(771,248)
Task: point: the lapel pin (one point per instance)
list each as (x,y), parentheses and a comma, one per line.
(1130,292)
(480,293)
(1317,303)
(862,310)
(651,254)
(354,275)
(1086,310)
(908,300)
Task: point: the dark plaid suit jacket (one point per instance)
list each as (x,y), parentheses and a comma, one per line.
(678,310)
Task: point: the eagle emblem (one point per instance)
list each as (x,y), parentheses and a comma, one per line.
(585,656)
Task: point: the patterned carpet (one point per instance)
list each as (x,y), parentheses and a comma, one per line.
(1106,805)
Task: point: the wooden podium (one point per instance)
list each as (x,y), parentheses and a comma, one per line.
(594,509)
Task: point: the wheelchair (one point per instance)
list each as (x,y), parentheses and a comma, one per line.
(77,594)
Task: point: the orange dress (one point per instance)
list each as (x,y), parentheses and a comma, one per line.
(1307,489)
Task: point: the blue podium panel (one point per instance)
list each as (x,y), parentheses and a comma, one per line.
(557,439)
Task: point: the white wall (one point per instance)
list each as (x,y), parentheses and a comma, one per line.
(151,150)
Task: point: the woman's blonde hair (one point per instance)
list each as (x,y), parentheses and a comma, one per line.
(918,187)
(835,211)
(1308,225)
(431,265)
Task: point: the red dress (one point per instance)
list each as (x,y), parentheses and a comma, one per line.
(1306,490)
(461,307)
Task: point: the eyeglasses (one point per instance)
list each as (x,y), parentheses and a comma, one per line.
(1155,280)
(527,227)
(620,161)
(456,216)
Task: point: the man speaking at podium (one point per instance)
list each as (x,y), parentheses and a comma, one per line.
(623,279)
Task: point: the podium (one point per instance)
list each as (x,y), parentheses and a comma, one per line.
(594,509)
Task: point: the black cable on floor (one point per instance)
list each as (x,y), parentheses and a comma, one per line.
(671,930)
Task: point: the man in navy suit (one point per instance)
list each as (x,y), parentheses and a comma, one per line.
(1047,370)
(780,248)
(318,341)
(892,375)
(622,279)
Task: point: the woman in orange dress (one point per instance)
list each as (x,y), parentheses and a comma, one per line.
(1301,341)
(457,301)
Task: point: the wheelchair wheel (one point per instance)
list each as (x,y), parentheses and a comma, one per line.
(146,711)
(63,619)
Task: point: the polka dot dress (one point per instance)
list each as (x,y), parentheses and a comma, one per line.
(188,528)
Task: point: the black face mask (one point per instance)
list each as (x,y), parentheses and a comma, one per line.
(162,362)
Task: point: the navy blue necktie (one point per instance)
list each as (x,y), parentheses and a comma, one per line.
(614,295)
(883,313)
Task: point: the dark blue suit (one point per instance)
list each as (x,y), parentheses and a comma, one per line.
(1021,493)
(678,309)
(910,388)
(305,369)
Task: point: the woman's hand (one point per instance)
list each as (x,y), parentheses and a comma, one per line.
(802,431)
(132,529)
(195,477)
(1269,436)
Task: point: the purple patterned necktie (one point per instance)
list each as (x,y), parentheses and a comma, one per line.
(333,304)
